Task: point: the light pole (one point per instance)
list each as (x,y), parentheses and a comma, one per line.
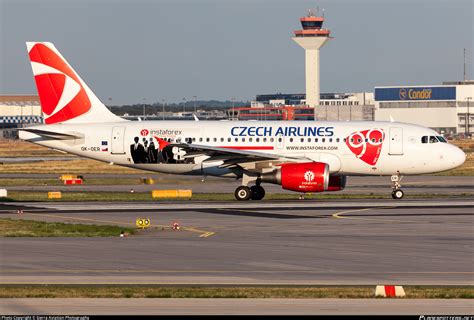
(184,106)
(233,108)
(144,108)
(163,105)
(468,131)
(194,97)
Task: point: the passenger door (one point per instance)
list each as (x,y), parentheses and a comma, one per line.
(118,140)
(396,141)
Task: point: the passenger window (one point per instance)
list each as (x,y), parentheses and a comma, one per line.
(309,139)
(222,139)
(243,139)
(330,139)
(250,139)
(424,139)
(264,139)
(279,139)
(316,139)
(257,139)
(229,139)
(207,139)
(236,139)
(302,139)
(200,139)
(323,140)
(338,140)
(291,139)
(215,139)
(433,139)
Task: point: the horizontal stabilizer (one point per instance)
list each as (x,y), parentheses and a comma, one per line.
(53,135)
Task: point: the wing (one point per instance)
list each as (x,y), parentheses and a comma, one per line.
(229,156)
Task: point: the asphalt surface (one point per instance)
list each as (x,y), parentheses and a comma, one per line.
(416,242)
(450,185)
(79,306)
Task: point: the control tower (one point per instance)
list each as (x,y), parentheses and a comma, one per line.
(311,39)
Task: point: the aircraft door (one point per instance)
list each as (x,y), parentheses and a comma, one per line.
(118,140)
(396,141)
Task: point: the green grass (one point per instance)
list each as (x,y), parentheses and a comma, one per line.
(119,291)
(15,196)
(31,228)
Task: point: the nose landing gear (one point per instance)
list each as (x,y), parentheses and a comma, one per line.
(397,192)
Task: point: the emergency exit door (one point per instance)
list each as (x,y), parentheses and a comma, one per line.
(118,134)
(396,141)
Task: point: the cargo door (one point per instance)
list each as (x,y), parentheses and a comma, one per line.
(396,141)
(118,134)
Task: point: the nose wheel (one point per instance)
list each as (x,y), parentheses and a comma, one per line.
(397,192)
(244,193)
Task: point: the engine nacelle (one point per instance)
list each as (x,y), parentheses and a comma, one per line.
(305,177)
(300,177)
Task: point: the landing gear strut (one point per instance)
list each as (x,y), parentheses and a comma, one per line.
(244,193)
(397,192)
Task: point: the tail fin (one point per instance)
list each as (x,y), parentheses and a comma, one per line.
(63,94)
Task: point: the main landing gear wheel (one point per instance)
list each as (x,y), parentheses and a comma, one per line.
(257,192)
(397,194)
(243,193)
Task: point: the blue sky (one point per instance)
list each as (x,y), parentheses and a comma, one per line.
(130,50)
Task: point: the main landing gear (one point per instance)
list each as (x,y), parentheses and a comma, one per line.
(397,193)
(244,193)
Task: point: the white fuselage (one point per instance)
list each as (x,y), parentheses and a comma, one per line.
(350,148)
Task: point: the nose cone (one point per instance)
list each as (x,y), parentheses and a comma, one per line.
(457,157)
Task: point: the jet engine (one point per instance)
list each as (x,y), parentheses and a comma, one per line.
(305,177)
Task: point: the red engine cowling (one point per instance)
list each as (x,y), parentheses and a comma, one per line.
(305,177)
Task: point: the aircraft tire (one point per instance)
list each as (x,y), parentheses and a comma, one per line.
(257,192)
(397,194)
(243,193)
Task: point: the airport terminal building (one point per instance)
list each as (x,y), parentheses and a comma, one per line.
(444,108)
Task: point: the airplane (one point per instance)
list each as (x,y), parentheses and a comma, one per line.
(302,156)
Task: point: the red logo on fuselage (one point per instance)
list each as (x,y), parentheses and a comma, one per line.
(366,145)
(58,86)
(144,132)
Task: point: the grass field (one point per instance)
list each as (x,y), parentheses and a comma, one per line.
(85,166)
(20,196)
(55,291)
(31,228)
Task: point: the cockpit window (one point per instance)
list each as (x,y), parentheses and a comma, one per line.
(441,139)
(433,139)
(424,139)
